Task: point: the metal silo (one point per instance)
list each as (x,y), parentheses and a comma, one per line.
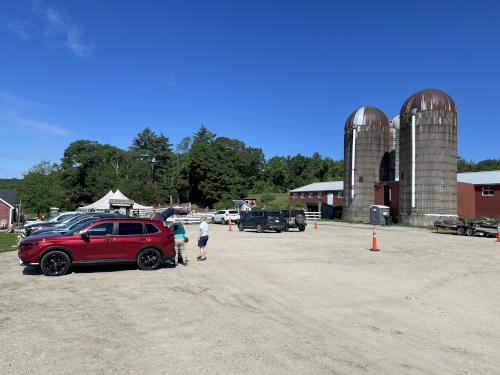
(428,158)
(394,149)
(366,156)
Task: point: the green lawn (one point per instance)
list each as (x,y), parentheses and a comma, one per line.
(280,200)
(8,242)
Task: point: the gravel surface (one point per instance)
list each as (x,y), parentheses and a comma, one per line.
(317,302)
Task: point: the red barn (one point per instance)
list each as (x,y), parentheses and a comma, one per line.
(7,207)
(478,194)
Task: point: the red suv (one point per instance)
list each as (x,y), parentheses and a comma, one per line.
(147,242)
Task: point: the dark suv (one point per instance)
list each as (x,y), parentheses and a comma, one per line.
(101,241)
(294,219)
(261,221)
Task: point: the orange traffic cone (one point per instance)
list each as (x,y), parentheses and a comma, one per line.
(230,226)
(374,241)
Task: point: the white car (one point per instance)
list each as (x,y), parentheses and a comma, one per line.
(223,217)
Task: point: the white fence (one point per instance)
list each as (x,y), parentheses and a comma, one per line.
(311,216)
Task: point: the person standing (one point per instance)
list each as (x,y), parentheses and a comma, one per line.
(180,243)
(203,239)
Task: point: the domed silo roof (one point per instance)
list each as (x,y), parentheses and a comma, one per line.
(367,116)
(394,122)
(429,100)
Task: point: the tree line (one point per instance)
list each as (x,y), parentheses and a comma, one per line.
(204,168)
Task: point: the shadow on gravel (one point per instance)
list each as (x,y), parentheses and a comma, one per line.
(78,268)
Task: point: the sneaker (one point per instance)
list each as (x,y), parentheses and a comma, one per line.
(203,258)
(198,257)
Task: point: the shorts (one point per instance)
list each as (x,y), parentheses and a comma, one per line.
(202,242)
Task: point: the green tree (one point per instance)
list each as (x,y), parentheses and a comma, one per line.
(40,188)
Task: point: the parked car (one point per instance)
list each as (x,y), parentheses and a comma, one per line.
(58,220)
(102,241)
(294,219)
(223,217)
(73,223)
(261,221)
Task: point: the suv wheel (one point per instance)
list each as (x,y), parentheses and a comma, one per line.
(213,220)
(240,227)
(149,259)
(223,221)
(302,228)
(259,228)
(55,263)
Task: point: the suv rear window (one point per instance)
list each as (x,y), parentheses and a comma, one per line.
(233,212)
(125,229)
(150,228)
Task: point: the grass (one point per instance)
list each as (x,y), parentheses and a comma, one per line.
(280,200)
(8,242)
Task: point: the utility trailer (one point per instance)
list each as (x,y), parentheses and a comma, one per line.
(485,226)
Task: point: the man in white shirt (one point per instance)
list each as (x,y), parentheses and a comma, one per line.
(203,239)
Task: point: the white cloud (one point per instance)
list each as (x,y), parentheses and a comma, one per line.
(14,119)
(12,100)
(58,23)
(19,28)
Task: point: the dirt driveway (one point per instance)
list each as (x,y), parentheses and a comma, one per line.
(316,302)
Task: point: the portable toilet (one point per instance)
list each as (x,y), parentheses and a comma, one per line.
(54,211)
(379,215)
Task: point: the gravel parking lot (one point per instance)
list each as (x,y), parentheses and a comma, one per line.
(316,302)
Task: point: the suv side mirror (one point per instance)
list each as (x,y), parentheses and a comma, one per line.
(85,236)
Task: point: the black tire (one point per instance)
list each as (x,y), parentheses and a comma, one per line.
(259,228)
(285,228)
(300,219)
(460,231)
(469,232)
(223,222)
(240,227)
(55,263)
(302,228)
(149,259)
(278,230)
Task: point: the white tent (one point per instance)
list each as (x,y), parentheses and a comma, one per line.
(104,204)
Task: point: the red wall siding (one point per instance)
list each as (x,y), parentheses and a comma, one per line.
(488,206)
(4,212)
(379,196)
(315,199)
(466,200)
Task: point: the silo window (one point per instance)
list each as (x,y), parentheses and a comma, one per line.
(488,191)
(360,178)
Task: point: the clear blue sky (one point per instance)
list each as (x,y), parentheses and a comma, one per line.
(281,75)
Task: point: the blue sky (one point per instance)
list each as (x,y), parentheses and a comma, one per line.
(281,75)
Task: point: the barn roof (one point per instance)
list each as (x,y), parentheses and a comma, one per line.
(9,196)
(321,186)
(480,178)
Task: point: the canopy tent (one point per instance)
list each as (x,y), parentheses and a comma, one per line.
(110,200)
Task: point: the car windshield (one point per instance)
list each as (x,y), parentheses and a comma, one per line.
(75,219)
(79,222)
(78,228)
